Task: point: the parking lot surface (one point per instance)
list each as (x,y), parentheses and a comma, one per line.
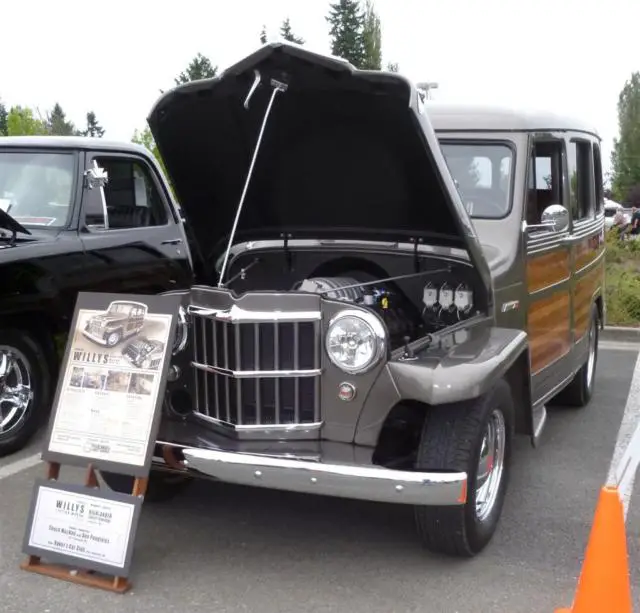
(222,548)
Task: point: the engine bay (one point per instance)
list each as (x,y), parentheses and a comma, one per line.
(413,297)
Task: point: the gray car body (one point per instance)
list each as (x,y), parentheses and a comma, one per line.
(457,364)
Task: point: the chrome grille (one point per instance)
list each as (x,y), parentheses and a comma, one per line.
(257,373)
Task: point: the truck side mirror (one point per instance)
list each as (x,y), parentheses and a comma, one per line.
(557,217)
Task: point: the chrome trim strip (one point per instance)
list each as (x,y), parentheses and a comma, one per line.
(236,313)
(288,432)
(370,483)
(250,374)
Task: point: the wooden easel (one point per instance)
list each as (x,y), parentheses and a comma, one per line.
(87,578)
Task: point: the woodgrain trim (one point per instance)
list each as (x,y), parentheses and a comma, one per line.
(584,289)
(547,269)
(548,327)
(587,250)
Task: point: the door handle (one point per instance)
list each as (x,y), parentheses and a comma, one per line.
(171,241)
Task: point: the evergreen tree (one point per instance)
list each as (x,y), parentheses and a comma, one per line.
(263,35)
(372,38)
(626,148)
(57,123)
(346,21)
(287,33)
(93,127)
(4,114)
(200,67)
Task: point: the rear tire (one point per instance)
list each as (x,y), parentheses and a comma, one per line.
(25,389)
(162,486)
(580,391)
(474,437)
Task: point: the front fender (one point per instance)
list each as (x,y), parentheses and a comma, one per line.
(459,366)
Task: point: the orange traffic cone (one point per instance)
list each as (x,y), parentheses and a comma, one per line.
(604,585)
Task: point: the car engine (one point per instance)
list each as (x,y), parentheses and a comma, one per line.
(443,304)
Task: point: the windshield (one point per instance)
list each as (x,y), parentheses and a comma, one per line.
(36,187)
(482,172)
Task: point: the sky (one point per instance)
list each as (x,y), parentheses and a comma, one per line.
(113,58)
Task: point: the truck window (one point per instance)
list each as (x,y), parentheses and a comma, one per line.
(545,179)
(597,176)
(132,197)
(36,188)
(581,179)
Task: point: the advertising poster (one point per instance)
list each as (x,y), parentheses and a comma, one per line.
(111,387)
(71,524)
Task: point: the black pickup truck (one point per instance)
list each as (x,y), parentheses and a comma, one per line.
(76,214)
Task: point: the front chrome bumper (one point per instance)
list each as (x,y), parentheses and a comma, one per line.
(371,483)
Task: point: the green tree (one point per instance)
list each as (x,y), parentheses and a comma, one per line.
(287,33)
(145,138)
(21,122)
(93,127)
(263,35)
(346,21)
(57,123)
(3,119)
(372,38)
(200,67)
(626,148)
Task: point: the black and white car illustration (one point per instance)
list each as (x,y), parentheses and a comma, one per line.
(144,353)
(121,320)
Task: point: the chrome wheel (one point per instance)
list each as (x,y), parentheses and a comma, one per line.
(113,339)
(490,465)
(16,393)
(591,360)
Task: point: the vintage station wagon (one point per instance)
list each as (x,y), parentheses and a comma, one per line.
(393,288)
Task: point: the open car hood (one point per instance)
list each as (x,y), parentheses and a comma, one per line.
(9,223)
(345,153)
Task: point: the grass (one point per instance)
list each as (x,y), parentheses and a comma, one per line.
(622,281)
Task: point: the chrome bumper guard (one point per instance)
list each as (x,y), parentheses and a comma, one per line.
(342,480)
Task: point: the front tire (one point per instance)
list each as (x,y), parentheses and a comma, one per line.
(25,389)
(474,437)
(162,486)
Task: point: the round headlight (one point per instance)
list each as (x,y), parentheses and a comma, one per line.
(355,341)
(182,331)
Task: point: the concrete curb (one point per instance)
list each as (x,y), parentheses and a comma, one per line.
(620,333)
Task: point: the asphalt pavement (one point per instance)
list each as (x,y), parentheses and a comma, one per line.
(223,548)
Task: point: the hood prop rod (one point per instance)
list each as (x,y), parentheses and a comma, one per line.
(278,86)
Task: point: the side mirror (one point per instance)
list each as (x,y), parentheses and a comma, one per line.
(555,218)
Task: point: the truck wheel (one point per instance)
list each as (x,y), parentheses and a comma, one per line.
(25,381)
(162,486)
(475,437)
(113,338)
(579,392)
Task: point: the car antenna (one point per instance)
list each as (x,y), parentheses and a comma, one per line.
(278,86)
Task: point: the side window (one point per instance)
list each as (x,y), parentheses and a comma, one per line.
(597,172)
(545,179)
(581,180)
(131,196)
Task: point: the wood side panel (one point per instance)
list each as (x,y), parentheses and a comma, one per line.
(584,289)
(587,250)
(546,269)
(549,325)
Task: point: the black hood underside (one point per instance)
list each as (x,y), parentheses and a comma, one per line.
(345,154)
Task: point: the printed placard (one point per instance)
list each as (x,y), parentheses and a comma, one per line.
(74,525)
(110,391)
